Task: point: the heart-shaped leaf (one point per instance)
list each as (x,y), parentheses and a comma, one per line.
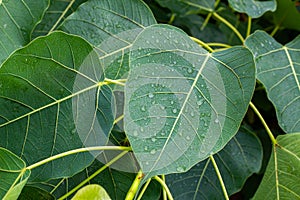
(253,8)
(13,174)
(111,26)
(282,176)
(181,102)
(52,101)
(17,21)
(239,159)
(278,68)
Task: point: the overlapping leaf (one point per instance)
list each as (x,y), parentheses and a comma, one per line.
(282,176)
(182,103)
(253,8)
(239,159)
(278,68)
(13,174)
(51,102)
(17,21)
(111,26)
(55,14)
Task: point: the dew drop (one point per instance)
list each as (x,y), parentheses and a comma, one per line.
(200,102)
(153,151)
(135,133)
(146,148)
(174,62)
(147,163)
(153,139)
(174,110)
(190,70)
(172,102)
(5,25)
(180,169)
(187,138)
(217,121)
(150,95)
(192,114)
(142,129)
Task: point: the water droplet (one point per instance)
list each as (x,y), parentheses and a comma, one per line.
(142,129)
(153,151)
(174,110)
(217,121)
(5,25)
(187,138)
(150,95)
(146,148)
(147,163)
(172,102)
(180,169)
(163,133)
(200,102)
(135,133)
(174,62)
(147,41)
(153,139)
(192,114)
(190,70)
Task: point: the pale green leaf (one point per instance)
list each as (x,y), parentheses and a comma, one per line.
(185,7)
(282,176)
(30,192)
(91,192)
(239,159)
(51,102)
(181,102)
(13,175)
(253,8)
(278,68)
(17,21)
(111,26)
(55,14)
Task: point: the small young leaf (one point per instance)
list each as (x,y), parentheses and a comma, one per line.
(17,21)
(181,102)
(13,175)
(253,8)
(92,192)
(278,69)
(282,176)
(239,159)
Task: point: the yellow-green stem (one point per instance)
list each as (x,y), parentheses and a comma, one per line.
(264,123)
(219,177)
(135,185)
(249,26)
(81,150)
(117,82)
(216,15)
(172,18)
(200,42)
(164,192)
(165,187)
(275,30)
(119,119)
(209,16)
(215,44)
(144,189)
(93,175)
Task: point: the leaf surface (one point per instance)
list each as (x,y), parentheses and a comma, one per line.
(51,102)
(92,192)
(253,8)
(185,7)
(111,26)
(282,176)
(239,159)
(182,103)
(17,21)
(13,175)
(278,68)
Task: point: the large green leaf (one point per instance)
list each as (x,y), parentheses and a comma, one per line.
(51,102)
(92,192)
(253,8)
(278,68)
(111,26)
(282,176)
(13,175)
(17,21)
(239,159)
(181,102)
(30,192)
(55,14)
(185,7)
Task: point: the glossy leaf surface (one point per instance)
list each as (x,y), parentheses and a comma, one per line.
(181,102)
(278,68)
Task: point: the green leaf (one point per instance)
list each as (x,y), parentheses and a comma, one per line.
(13,175)
(92,192)
(55,14)
(253,8)
(278,69)
(17,21)
(282,176)
(111,26)
(185,7)
(49,103)
(239,159)
(181,102)
(287,15)
(30,192)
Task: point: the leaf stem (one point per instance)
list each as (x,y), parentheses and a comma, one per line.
(172,18)
(81,150)
(200,42)
(135,185)
(93,175)
(264,123)
(164,191)
(144,189)
(119,119)
(117,82)
(62,15)
(230,26)
(219,177)
(216,44)
(165,187)
(275,30)
(249,26)
(209,16)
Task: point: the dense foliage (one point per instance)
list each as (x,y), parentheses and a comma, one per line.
(164,99)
